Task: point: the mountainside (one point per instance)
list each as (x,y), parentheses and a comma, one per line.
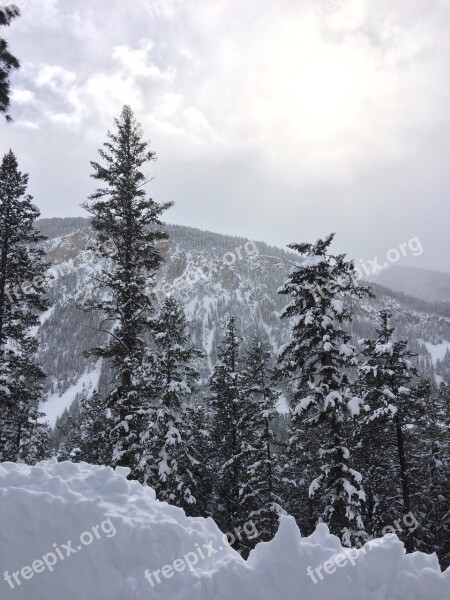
(215,276)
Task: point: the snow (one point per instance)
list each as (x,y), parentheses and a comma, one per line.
(386,348)
(45,506)
(338,306)
(354,405)
(312,261)
(437,351)
(54,406)
(282,405)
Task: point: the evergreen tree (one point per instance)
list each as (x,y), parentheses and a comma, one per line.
(435,489)
(390,396)
(95,428)
(21,301)
(169,378)
(198,437)
(259,497)
(30,436)
(8,62)
(297,472)
(315,364)
(69,430)
(227,440)
(124,216)
(36,440)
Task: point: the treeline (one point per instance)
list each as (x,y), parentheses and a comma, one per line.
(367,440)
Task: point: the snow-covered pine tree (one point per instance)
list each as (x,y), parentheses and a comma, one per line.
(435,490)
(227,435)
(124,216)
(315,365)
(69,434)
(22,299)
(389,392)
(260,495)
(169,377)
(296,473)
(8,62)
(197,432)
(95,429)
(430,472)
(32,436)
(36,438)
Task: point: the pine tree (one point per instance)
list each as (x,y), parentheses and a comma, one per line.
(95,428)
(8,62)
(21,301)
(69,433)
(435,489)
(31,436)
(226,403)
(197,433)
(297,472)
(260,495)
(169,378)
(315,365)
(390,396)
(124,216)
(36,440)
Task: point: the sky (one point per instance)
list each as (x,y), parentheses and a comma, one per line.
(280,120)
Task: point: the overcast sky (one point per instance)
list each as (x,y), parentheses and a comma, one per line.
(276,120)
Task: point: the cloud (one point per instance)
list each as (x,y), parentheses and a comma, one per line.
(331,86)
(22,96)
(312,99)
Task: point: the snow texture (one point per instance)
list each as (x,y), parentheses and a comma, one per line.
(51,503)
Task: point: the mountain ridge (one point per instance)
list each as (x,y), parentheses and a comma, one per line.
(215,276)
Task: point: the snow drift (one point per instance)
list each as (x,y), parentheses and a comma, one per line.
(77,531)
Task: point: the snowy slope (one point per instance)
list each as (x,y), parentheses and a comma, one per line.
(80,532)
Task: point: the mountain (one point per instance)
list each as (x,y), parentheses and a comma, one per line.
(215,276)
(420,283)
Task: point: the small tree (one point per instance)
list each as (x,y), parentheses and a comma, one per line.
(227,440)
(169,377)
(69,433)
(95,429)
(197,434)
(260,495)
(36,442)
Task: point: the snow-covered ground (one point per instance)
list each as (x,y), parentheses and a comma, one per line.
(82,532)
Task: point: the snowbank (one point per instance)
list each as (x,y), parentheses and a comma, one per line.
(82,532)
